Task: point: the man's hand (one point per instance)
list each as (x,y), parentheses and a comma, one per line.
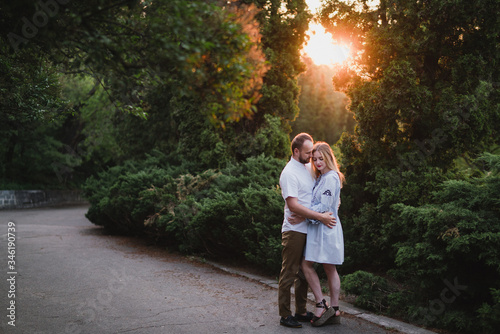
(327,219)
(295,219)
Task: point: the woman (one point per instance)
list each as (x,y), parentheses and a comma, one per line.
(324,245)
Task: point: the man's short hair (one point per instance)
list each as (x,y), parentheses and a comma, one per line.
(299,140)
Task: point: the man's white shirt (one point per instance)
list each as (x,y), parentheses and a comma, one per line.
(297,181)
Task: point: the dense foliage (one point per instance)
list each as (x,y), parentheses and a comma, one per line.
(208,51)
(234,213)
(447,258)
(185,77)
(30,117)
(425,95)
(453,242)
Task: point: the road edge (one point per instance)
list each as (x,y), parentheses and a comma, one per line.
(380,320)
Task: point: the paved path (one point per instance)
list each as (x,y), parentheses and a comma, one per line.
(70,277)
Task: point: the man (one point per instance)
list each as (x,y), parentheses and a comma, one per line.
(296,184)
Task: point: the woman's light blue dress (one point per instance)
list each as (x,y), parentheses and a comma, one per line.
(325,245)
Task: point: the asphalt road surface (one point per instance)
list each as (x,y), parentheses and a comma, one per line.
(62,274)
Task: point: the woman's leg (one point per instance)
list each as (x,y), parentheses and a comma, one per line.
(313,280)
(333,284)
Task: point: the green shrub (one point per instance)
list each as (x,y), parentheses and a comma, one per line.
(233,213)
(439,242)
(371,291)
(242,225)
(451,250)
(120,204)
(237,215)
(489,312)
(117,197)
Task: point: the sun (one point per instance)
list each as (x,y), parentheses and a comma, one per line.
(321,48)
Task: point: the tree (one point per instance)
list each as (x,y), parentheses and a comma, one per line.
(266,130)
(209,51)
(430,81)
(424,91)
(192,67)
(283,26)
(30,111)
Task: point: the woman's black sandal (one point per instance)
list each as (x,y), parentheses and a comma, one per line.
(320,321)
(334,319)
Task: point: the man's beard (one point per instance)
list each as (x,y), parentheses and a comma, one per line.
(304,161)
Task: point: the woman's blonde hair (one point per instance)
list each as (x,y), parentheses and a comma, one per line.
(329,158)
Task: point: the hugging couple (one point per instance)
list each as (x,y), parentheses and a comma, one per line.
(311,232)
